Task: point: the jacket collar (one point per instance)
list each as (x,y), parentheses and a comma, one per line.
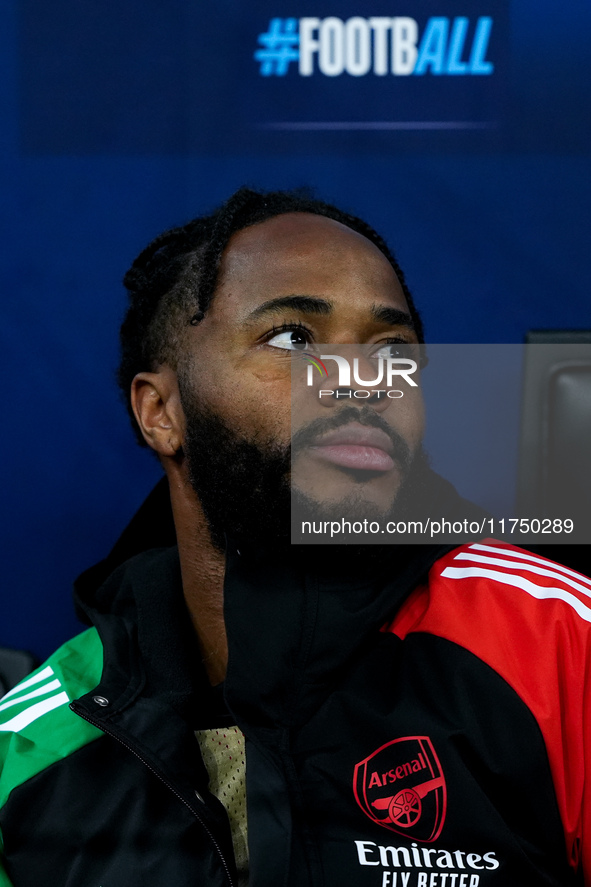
(288,609)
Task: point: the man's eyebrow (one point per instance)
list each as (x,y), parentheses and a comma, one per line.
(391,316)
(313,305)
(305,304)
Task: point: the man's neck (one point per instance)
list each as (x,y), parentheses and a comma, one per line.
(202,572)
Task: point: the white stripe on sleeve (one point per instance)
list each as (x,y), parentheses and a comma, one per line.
(538,591)
(31,714)
(42,676)
(47,688)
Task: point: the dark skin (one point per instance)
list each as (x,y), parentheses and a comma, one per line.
(296,278)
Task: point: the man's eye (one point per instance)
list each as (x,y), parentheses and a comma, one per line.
(290,340)
(393,349)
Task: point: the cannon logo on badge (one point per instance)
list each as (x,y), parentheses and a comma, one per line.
(401,787)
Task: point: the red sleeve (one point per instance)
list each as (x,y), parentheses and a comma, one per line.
(530,620)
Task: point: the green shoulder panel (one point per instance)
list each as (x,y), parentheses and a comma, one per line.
(4,882)
(37,727)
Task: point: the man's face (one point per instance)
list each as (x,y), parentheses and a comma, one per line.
(294,281)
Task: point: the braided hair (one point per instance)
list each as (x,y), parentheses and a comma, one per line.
(173,280)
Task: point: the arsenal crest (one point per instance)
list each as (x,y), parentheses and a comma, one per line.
(401,787)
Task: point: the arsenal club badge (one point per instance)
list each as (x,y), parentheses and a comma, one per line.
(401,787)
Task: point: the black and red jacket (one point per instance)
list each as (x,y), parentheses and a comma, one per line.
(414,716)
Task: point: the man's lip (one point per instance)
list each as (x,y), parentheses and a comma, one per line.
(356,447)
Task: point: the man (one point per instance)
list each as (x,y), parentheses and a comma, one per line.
(413,715)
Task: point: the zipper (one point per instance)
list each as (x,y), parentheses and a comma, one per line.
(169,785)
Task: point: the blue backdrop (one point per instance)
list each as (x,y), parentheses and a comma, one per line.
(460,130)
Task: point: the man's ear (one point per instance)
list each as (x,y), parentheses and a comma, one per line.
(156,404)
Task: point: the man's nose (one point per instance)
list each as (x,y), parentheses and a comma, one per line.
(367,383)
(352,394)
(377,398)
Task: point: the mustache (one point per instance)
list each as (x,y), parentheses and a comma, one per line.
(309,434)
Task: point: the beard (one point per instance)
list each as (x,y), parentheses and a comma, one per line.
(244,486)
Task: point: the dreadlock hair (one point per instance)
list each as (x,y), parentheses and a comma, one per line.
(173,280)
